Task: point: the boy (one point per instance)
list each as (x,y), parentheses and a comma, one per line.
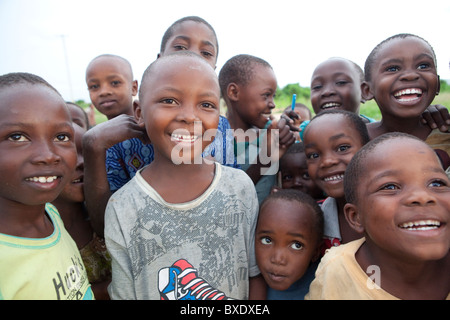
(288,242)
(187,222)
(38,258)
(404,219)
(113,151)
(248,85)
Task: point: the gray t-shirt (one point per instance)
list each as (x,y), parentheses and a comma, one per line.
(201,249)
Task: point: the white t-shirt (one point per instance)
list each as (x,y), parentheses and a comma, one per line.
(201,249)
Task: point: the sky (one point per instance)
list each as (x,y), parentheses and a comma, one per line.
(56,39)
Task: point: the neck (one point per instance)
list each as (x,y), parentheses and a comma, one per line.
(236,121)
(412,126)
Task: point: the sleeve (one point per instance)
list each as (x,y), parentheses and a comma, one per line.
(122,284)
(115,168)
(252,220)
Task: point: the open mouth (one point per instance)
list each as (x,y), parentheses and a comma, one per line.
(408,95)
(337,177)
(42,179)
(181,138)
(330,105)
(420,225)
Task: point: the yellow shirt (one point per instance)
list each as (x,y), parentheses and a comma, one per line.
(340,277)
(47,268)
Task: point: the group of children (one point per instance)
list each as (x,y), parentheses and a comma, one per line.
(169,199)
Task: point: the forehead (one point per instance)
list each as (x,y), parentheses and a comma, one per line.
(404,47)
(106,66)
(335,66)
(286,212)
(34,99)
(190,29)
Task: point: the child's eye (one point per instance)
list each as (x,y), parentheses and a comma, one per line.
(115,83)
(179,47)
(208,105)
(392,68)
(341,82)
(297,246)
(266,240)
(168,101)
(343,148)
(437,183)
(423,66)
(18,137)
(312,155)
(389,186)
(306,176)
(207,54)
(287,177)
(93,87)
(63,137)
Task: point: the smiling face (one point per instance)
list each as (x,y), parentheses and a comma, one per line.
(336,84)
(404,79)
(405,209)
(330,143)
(285,242)
(111,87)
(256,98)
(179,105)
(36,144)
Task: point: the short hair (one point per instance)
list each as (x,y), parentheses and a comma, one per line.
(356,67)
(114,56)
(372,56)
(354,119)
(301,106)
(305,200)
(357,165)
(169,31)
(240,70)
(172,55)
(18,78)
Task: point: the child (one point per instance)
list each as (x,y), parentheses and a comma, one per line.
(301,114)
(401,75)
(404,219)
(248,85)
(294,173)
(186,223)
(288,242)
(38,258)
(331,140)
(70,204)
(113,150)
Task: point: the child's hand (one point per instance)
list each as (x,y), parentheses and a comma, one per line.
(118,129)
(281,136)
(436,116)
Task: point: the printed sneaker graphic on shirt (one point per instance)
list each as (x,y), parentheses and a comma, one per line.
(181,282)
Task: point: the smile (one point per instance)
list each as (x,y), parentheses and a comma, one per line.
(42,179)
(337,177)
(407,95)
(331,105)
(184,138)
(421,225)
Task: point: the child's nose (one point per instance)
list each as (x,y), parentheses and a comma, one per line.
(278,257)
(419,196)
(328,90)
(409,75)
(188,113)
(45,153)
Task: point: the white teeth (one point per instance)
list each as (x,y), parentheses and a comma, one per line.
(421,225)
(42,179)
(334,178)
(408,91)
(330,105)
(183,138)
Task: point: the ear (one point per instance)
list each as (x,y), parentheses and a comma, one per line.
(233,92)
(366,93)
(134,88)
(439,85)
(138,113)
(353,217)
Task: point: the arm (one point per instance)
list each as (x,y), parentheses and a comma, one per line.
(282,140)
(95,143)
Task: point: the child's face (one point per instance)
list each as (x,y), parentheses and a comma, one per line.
(196,37)
(335,84)
(330,143)
(404,201)
(404,78)
(285,242)
(294,175)
(37,145)
(179,105)
(111,87)
(256,99)
(73,191)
